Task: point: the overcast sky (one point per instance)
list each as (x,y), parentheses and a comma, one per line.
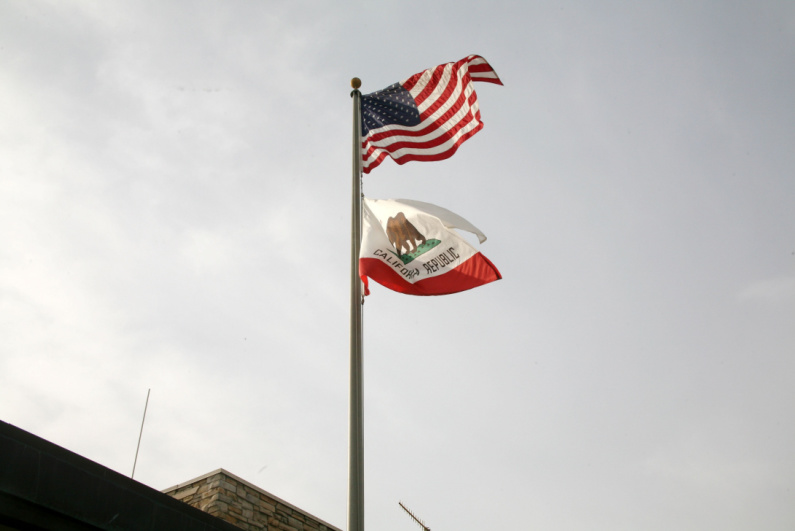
(175,183)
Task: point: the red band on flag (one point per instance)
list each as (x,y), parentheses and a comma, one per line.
(475,272)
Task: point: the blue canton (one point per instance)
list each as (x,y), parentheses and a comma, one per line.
(391,106)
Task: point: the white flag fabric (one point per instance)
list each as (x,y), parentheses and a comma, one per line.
(410,247)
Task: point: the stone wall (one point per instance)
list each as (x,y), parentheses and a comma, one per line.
(247,506)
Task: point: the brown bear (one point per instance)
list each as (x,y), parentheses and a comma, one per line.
(402,234)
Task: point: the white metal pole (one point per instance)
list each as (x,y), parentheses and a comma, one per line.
(356,434)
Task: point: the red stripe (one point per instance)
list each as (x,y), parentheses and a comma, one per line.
(476,71)
(475,272)
(444,136)
(435,82)
(426,145)
(411,82)
(375,163)
(481,68)
(431,127)
(494,80)
(442,155)
(462,73)
(445,97)
(453,83)
(440,124)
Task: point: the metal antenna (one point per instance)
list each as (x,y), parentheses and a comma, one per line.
(132,476)
(422,524)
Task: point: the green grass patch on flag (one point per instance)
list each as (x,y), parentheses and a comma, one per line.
(421,249)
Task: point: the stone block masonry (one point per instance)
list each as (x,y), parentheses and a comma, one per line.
(244,505)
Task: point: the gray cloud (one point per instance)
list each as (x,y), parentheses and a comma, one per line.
(174,202)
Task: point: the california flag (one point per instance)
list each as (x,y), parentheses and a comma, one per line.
(408,246)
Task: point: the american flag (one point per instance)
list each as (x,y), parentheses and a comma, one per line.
(425,117)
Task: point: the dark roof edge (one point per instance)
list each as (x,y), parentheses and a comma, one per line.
(53,478)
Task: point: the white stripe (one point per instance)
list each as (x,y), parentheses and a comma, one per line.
(458,118)
(440,88)
(402,152)
(468,90)
(465,114)
(441,148)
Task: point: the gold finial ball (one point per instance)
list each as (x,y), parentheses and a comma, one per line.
(356,83)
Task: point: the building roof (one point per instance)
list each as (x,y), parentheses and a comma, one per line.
(46,487)
(245,505)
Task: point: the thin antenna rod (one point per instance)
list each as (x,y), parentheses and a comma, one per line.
(422,524)
(132,476)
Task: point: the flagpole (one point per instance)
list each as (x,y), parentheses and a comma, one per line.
(356,434)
